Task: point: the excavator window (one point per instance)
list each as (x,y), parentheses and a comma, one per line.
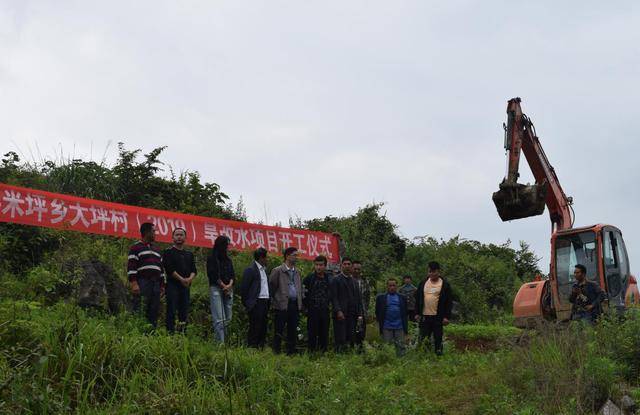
(573,249)
(616,266)
(611,258)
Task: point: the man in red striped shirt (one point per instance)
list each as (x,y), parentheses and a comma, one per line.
(144,270)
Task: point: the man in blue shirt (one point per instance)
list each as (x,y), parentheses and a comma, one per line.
(391,313)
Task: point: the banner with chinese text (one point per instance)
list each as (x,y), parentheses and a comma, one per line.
(39,208)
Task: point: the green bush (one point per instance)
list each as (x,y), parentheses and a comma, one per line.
(563,370)
(130,181)
(484,277)
(619,339)
(23,247)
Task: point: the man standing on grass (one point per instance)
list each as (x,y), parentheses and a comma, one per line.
(346,306)
(408,291)
(317,298)
(254,291)
(433,303)
(286,291)
(180,269)
(144,269)
(586,297)
(391,313)
(365,298)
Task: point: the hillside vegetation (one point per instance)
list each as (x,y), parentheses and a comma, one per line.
(56,357)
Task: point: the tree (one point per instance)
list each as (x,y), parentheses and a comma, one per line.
(130,181)
(484,277)
(369,236)
(527,262)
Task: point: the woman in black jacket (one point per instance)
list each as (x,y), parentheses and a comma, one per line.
(221,277)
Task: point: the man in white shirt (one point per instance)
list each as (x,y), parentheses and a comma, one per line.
(433,304)
(254,290)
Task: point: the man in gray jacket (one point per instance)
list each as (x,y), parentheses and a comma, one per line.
(285,287)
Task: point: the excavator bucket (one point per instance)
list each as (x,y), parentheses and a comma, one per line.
(517,201)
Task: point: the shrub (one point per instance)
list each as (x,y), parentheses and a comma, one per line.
(564,370)
(619,339)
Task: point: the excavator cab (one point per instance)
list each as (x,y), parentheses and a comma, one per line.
(602,251)
(569,248)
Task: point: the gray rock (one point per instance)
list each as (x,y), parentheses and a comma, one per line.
(610,408)
(628,404)
(99,287)
(455,310)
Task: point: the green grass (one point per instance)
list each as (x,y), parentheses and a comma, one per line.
(482,332)
(61,359)
(58,358)
(85,364)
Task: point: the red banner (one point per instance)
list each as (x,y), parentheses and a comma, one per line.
(38,208)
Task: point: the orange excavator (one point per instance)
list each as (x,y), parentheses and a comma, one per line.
(600,248)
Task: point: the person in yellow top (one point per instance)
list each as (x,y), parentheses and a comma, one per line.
(433,306)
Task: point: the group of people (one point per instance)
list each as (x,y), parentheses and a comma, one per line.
(340,297)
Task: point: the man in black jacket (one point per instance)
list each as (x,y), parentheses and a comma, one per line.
(391,313)
(433,305)
(586,297)
(346,305)
(254,291)
(316,301)
(180,269)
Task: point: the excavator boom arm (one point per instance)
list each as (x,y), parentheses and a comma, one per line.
(516,201)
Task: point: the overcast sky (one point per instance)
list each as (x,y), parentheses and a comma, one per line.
(318,108)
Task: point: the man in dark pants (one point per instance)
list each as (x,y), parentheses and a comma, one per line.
(316,300)
(254,291)
(180,269)
(285,287)
(347,306)
(391,313)
(433,305)
(144,269)
(586,297)
(365,298)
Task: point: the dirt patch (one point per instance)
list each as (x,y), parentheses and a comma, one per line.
(476,345)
